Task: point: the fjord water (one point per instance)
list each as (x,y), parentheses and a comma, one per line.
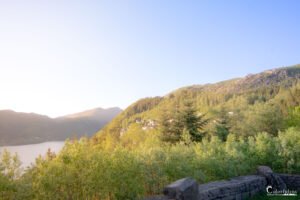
(28,153)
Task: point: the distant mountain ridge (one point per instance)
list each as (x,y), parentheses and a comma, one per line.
(26,128)
(97,113)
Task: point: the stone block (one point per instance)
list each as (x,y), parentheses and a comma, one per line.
(292,181)
(183,189)
(273,179)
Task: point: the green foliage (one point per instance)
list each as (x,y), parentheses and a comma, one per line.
(171,126)
(293,118)
(244,106)
(184,119)
(290,150)
(259,118)
(7,188)
(193,123)
(143,105)
(9,173)
(10,165)
(221,126)
(129,170)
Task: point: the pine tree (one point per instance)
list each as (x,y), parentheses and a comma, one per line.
(170,126)
(222,125)
(182,119)
(193,122)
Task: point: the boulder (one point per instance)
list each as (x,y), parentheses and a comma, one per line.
(183,189)
(273,179)
(263,170)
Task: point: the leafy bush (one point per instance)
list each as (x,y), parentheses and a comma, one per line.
(131,170)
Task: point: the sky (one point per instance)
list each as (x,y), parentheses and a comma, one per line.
(61,57)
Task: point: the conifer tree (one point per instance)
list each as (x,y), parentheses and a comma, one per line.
(182,119)
(193,122)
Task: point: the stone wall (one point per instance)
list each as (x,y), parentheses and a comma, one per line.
(238,188)
(241,187)
(292,181)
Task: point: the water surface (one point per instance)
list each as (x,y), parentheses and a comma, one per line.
(28,153)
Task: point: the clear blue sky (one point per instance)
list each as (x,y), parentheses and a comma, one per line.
(60,57)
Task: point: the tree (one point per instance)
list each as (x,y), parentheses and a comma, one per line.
(10,165)
(10,171)
(170,126)
(184,119)
(260,118)
(222,125)
(192,122)
(293,119)
(222,130)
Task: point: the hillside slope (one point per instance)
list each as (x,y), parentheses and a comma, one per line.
(27,128)
(240,101)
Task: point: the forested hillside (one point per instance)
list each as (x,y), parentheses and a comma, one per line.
(29,128)
(244,106)
(208,132)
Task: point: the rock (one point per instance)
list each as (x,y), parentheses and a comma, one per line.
(238,188)
(183,189)
(273,179)
(263,170)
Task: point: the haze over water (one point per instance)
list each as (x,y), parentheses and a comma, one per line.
(28,153)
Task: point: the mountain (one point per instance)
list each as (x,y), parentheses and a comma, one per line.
(96,114)
(26,128)
(245,103)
